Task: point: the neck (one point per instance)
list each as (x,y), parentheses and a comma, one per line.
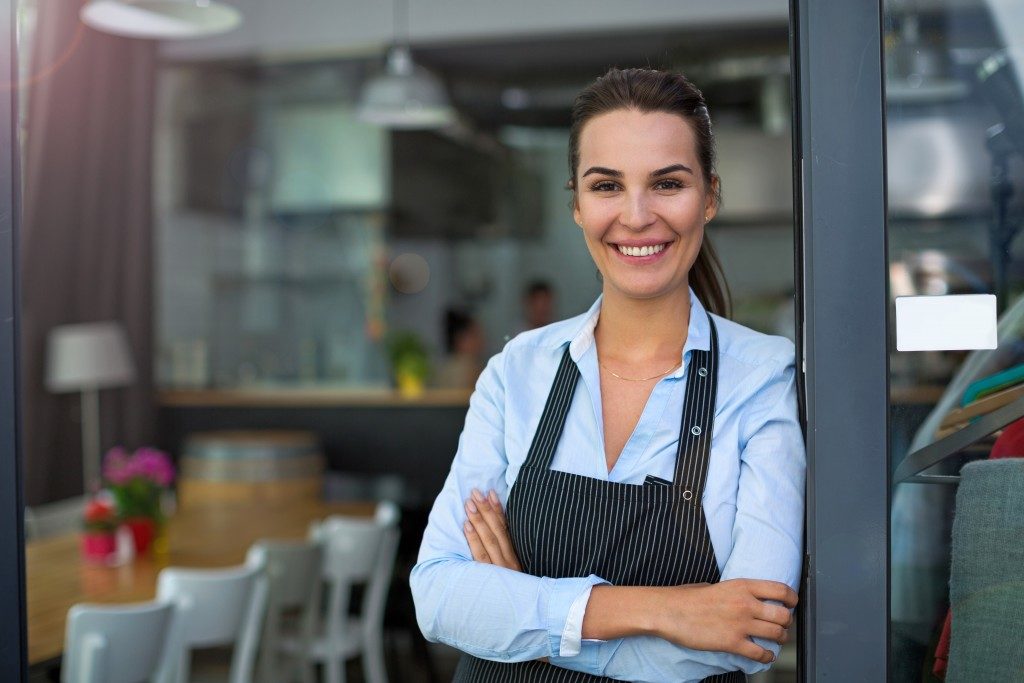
(639,331)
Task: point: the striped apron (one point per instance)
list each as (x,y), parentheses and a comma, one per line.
(568,525)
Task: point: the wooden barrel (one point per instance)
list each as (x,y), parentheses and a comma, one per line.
(250,466)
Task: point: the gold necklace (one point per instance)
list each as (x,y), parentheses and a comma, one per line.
(635,379)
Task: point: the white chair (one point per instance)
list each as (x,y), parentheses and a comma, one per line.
(116,643)
(54,519)
(293,590)
(356,551)
(215,607)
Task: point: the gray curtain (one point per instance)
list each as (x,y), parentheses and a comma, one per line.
(86,245)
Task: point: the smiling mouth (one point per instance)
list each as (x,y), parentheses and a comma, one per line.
(642,251)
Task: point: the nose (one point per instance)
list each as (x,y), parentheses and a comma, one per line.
(636,211)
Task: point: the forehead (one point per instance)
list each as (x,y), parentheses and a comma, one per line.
(627,138)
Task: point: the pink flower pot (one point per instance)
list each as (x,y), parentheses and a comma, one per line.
(98,547)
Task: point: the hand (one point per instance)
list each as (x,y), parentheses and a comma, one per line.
(487,531)
(724,616)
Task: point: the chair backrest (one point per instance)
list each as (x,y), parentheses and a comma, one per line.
(216,607)
(358,551)
(387,517)
(115,643)
(54,519)
(350,547)
(292,569)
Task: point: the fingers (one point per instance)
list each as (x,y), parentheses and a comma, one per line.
(487,524)
(769,631)
(774,614)
(494,517)
(476,546)
(773,590)
(751,650)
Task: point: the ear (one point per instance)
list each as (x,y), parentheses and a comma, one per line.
(711,200)
(575,206)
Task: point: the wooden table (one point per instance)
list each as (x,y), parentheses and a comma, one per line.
(208,536)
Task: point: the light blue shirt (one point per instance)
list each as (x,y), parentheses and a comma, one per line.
(753,499)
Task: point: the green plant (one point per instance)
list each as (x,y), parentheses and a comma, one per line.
(137,480)
(408,355)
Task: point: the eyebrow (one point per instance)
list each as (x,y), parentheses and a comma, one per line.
(654,174)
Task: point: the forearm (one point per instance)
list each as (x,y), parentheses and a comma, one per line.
(620,611)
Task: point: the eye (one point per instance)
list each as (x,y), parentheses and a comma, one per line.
(668,184)
(604,186)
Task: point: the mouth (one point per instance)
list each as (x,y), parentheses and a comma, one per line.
(641,253)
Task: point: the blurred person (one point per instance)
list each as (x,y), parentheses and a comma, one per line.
(591,528)
(538,305)
(465,342)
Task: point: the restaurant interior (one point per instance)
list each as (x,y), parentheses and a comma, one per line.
(267,247)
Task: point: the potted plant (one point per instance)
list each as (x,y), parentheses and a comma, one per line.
(410,363)
(99,539)
(137,482)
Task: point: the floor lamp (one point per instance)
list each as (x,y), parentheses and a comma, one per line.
(86,358)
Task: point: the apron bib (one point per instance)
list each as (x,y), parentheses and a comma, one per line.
(568,525)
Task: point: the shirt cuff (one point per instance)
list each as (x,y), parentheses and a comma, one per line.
(566,605)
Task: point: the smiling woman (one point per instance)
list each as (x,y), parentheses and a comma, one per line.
(638,524)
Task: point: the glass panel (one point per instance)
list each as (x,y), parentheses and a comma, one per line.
(955,139)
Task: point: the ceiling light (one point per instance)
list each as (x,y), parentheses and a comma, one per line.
(160,19)
(405,96)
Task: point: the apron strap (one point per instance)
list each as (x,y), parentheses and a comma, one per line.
(698,420)
(552,420)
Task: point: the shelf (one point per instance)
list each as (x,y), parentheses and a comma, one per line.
(311,397)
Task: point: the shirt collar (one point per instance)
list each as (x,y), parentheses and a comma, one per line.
(581,337)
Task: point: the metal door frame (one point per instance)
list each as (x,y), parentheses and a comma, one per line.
(13,643)
(842,293)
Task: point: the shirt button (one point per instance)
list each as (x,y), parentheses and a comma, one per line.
(703,372)
(695,430)
(687,495)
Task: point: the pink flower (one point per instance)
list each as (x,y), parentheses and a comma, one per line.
(150,464)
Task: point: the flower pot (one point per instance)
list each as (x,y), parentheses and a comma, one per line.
(98,547)
(410,385)
(143,532)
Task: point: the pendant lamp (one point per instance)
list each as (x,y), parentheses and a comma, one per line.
(160,19)
(405,96)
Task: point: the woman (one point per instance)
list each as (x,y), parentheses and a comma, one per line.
(635,548)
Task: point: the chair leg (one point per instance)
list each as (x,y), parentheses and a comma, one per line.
(373,660)
(335,668)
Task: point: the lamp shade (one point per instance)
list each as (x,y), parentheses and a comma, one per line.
(88,356)
(405,96)
(160,19)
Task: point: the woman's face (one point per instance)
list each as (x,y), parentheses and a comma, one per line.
(641,200)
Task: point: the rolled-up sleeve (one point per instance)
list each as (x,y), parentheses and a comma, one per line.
(487,611)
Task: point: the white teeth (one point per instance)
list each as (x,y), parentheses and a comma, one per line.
(641,251)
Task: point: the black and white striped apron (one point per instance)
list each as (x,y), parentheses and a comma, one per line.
(568,525)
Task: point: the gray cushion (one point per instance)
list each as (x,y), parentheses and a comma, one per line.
(987,574)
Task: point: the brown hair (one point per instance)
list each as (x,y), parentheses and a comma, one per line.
(650,90)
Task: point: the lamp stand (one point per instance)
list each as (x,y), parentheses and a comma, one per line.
(90,438)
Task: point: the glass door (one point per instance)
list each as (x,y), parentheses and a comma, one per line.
(955,169)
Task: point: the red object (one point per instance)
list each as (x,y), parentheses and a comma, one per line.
(1010,444)
(98,547)
(98,511)
(143,531)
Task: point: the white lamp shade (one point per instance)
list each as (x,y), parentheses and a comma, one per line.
(406,96)
(88,356)
(160,19)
